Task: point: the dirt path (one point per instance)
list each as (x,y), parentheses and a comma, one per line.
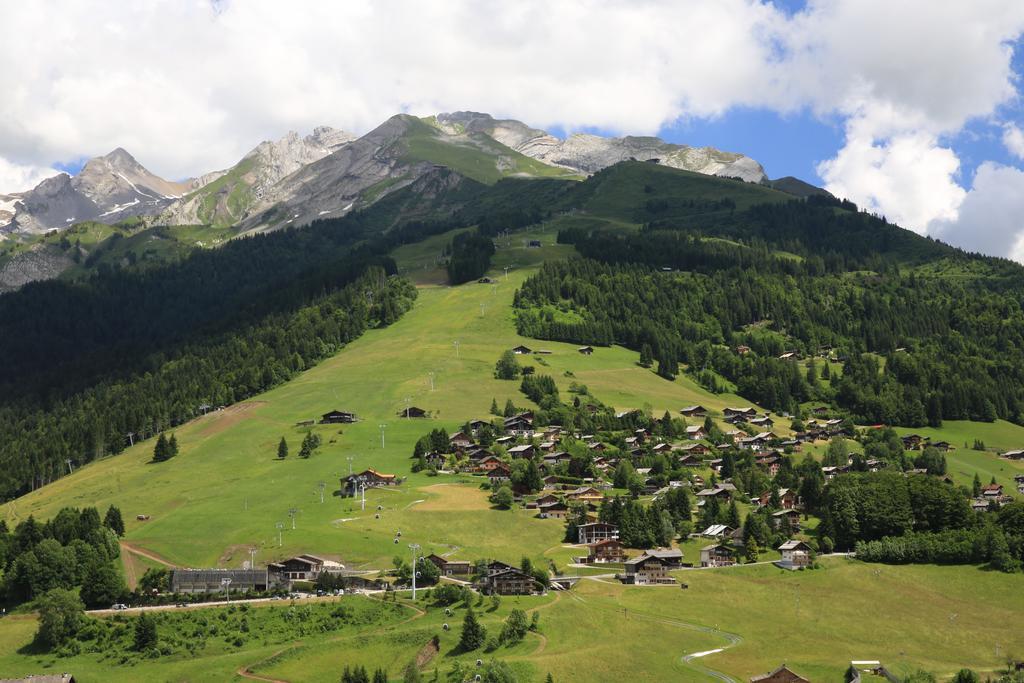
(148,554)
(244,672)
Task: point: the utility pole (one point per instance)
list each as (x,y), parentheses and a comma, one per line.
(414,547)
(506,272)
(279,525)
(456,343)
(291,513)
(407,399)
(252,558)
(349,458)
(70,468)
(482,307)
(362,487)
(226,582)
(322,485)
(382,428)
(431,375)
(131,438)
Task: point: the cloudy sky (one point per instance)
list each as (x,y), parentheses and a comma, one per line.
(910,108)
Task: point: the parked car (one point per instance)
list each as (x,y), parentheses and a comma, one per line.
(119,606)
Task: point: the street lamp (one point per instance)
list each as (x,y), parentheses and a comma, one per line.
(382,428)
(226,582)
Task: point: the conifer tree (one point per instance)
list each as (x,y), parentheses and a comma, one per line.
(473,633)
(282,449)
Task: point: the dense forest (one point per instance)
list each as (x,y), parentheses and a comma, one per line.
(915,349)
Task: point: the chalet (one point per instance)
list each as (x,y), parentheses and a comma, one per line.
(213,580)
(541,500)
(522,451)
(694,411)
(763,422)
(695,432)
(718,555)
(771,462)
(832,471)
(647,570)
(623,414)
(672,557)
(690,460)
(488,462)
(496,566)
(302,568)
(351,484)
(608,550)
(546,446)
(820,411)
(556,458)
(499,475)
(596,446)
(792,515)
(742,350)
(585,494)
(631,441)
(793,444)
(586,350)
(553,510)
(981,504)
(795,554)
(913,442)
(874,465)
(460,440)
(518,426)
(790,355)
(413,411)
(521,350)
(992,491)
(695,449)
(661,448)
(511,581)
(942,446)
(337,417)
(717,531)
(1013,455)
(451,567)
(740,412)
(435,460)
(596,531)
(476,425)
(722,492)
(781,675)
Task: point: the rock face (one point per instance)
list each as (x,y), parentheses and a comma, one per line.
(108,189)
(226,197)
(41,262)
(590,153)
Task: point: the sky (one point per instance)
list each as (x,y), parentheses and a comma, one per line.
(912,109)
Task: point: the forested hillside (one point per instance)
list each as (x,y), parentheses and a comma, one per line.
(808,278)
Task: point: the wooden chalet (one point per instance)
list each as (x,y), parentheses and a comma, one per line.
(647,570)
(695,432)
(460,440)
(690,460)
(368,478)
(608,550)
(511,581)
(717,555)
(553,510)
(746,413)
(585,494)
(781,675)
(1013,455)
(694,411)
(522,350)
(501,474)
(302,568)
(795,554)
(413,411)
(992,491)
(914,442)
(522,451)
(763,422)
(451,567)
(585,350)
(792,515)
(337,417)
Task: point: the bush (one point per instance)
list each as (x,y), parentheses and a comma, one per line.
(61,615)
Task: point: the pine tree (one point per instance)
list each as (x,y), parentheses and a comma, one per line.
(160,451)
(172,446)
(114,521)
(146,637)
(732,518)
(510,408)
(752,550)
(474,635)
(976,486)
(646,355)
(494,407)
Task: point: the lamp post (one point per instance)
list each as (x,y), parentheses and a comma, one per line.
(382,427)
(279,525)
(226,582)
(414,547)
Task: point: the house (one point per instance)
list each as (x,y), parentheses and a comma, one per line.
(511,581)
(790,355)
(597,531)
(913,442)
(460,440)
(672,557)
(647,570)
(742,350)
(337,417)
(435,460)
(695,449)
(519,426)
(718,555)
(521,350)
(792,515)
(943,446)
(1013,455)
(820,411)
(992,491)
(740,412)
(695,432)
(556,458)
(832,471)
(661,448)
(608,550)
(771,462)
(795,554)
(721,491)
(781,675)
(302,568)
(585,494)
(501,474)
(872,668)
(451,567)
(717,531)
(488,463)
(788,499)
(553,510)
(764,422)
(690,460)
(694,411)
(370,478)
(413,411)
(586,350)
(522,451)
(213,580)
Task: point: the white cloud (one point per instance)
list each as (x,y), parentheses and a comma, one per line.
(190,86)
(1013,140)
(15,177)
(991,218)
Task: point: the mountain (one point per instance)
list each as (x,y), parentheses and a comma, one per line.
(590,153)
(224,197)
(797,187)
(108,189)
